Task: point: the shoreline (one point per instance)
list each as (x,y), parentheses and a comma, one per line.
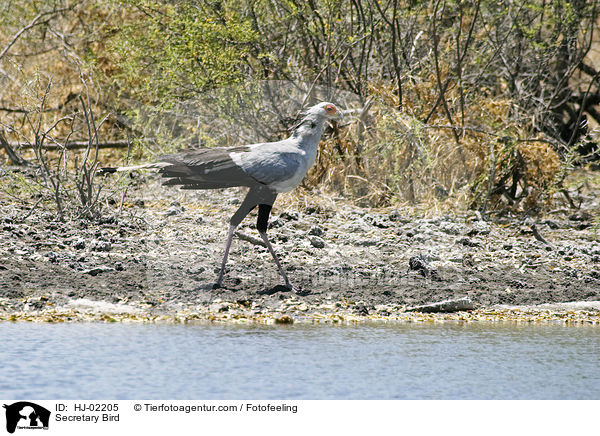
(158,259)
(296,311)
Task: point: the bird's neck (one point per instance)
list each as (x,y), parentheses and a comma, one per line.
(309,130)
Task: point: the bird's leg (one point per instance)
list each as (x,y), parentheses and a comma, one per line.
(262,224)
(247,205)
(226,255)
(264,237)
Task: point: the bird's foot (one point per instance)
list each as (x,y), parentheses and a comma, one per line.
(298,291)
(217,285)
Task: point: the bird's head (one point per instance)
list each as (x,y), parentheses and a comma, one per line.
(314,119)
(326,110)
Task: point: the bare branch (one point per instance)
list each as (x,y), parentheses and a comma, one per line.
(72,145)
(35,22)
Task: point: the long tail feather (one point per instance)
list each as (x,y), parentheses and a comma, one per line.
(111,170)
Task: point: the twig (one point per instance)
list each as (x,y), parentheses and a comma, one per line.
(33,23)
(127,185)
(537,235)
(486,132)
(569,199)
(12,155)
(58,107)
(438,75)
(73,145)
(393,43)
(31,210)
(492,176)
(250,239)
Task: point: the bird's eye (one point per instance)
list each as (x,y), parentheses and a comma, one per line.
(329,108)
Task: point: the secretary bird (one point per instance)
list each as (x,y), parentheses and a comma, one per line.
(267,169)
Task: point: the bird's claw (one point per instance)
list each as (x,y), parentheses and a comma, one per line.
(298,291)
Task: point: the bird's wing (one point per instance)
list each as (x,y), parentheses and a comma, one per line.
(206,168)
(270,163)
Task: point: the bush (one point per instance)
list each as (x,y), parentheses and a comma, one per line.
(486,103)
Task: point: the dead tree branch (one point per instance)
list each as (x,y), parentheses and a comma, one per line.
(35,22)
(73,145)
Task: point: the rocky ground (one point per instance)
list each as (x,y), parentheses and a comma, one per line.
(159,257)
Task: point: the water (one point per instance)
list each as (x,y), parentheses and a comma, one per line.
(403,361)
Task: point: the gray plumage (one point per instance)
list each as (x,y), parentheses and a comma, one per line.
(266,168)
(279,165)
(209,168)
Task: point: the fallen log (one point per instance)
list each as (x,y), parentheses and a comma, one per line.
(445,306)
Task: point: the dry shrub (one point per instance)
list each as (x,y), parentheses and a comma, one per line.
(520,177)
(54,63)
(389,157)
(542,164)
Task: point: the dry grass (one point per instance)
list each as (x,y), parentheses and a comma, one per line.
(387,158)
(394,159)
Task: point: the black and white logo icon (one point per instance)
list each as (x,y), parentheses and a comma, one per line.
(26,415)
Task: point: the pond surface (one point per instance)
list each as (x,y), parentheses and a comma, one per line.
(399,361)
